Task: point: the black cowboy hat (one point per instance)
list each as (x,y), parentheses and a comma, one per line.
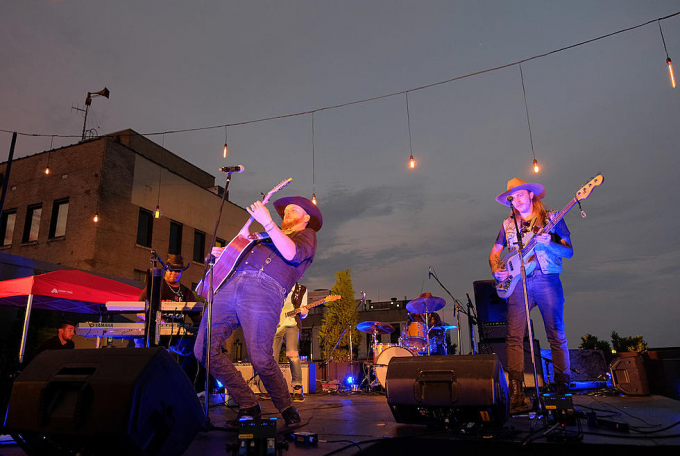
(176,263)
(315,218)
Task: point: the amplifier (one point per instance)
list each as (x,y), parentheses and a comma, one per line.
(497,330)
(498,348)
(256,385)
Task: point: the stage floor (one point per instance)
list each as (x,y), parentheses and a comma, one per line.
(362,423)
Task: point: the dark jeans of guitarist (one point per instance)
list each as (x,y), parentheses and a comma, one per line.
(545,291)
(253,300)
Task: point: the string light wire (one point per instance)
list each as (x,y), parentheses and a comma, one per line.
(380,97)
(313,164)
(526,107)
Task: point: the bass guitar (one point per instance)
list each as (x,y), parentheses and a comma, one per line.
(235,251)
(511,261)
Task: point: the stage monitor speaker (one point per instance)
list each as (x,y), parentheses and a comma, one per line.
(490,307)
(135,401)
(448,389)
(629,376)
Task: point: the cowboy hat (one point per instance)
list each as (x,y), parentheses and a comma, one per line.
(176,263)
(516,184)
(315,218)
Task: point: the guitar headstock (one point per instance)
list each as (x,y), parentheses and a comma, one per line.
(276,189)
(584,192)
(332,298)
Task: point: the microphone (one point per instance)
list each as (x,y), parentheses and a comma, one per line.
(233,169)
(429,272)
(509,198)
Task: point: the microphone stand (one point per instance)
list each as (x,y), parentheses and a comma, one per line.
(520,248)
(209,266)
(152,313)
(348,325)
(456,307)
(472,322)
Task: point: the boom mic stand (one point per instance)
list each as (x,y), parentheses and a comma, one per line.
(348,325)
(210,263)
(457,307)
(520,248)
(152,313)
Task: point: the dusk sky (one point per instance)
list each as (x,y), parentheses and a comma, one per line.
(606,107)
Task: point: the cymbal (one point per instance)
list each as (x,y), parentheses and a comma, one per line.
(425,304)
(375,327)
(443,327)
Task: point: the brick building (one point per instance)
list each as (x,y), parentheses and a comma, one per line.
(120,178)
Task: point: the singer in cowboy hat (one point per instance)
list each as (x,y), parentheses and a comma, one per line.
(253,298)
(544,287)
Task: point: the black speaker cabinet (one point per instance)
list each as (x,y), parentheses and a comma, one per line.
(453,389)
(135,401)
(629,376)
(497,347)
(490,307)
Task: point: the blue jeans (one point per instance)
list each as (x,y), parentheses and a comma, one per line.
(291,334)
(545,291)
(254,301)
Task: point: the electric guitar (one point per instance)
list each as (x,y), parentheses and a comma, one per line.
(511,261)
(289,317)
(330,298)
(235,251)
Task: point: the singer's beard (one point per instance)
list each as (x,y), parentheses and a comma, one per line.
(289,223)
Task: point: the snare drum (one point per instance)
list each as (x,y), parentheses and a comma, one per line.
(384,360)
(415,336)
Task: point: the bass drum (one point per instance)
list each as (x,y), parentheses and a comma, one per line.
(384,359)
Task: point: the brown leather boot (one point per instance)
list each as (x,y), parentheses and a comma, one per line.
(517,397)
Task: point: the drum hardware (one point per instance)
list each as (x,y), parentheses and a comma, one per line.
(374,328)
(426,304)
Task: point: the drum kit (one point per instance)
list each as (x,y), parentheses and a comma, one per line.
(416,338)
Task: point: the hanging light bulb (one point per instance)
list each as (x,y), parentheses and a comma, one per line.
(412,162)
(157,212)
(536,168)
(670,71)
(224,151)
(47,170)
(96,218)
(314,198)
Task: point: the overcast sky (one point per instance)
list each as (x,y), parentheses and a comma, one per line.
(603,107)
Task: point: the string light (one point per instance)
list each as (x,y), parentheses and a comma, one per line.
(412,161)
(96,218)
(47,168)
(393,94)
(313,163)
(157,212)
(668,59)
(224,151)
(526,107)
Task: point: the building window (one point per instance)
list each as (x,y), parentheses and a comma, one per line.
(32,225)
(175,245)
(139,275)
(144,227)
(9,218)
(220,243)
(59,215)
(199,246)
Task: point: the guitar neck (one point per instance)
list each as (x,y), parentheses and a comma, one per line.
(551,224)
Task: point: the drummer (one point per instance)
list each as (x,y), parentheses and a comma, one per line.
(437,336)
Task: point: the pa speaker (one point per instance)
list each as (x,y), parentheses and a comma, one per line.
(629,376)
(451,389)
(134,401)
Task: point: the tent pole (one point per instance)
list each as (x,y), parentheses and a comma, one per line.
(24,334)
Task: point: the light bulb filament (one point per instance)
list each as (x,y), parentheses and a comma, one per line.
(670,71)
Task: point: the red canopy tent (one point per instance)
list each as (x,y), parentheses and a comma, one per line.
(67,291)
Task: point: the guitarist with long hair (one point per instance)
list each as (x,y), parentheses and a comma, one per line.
(253,296)
(544,288)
